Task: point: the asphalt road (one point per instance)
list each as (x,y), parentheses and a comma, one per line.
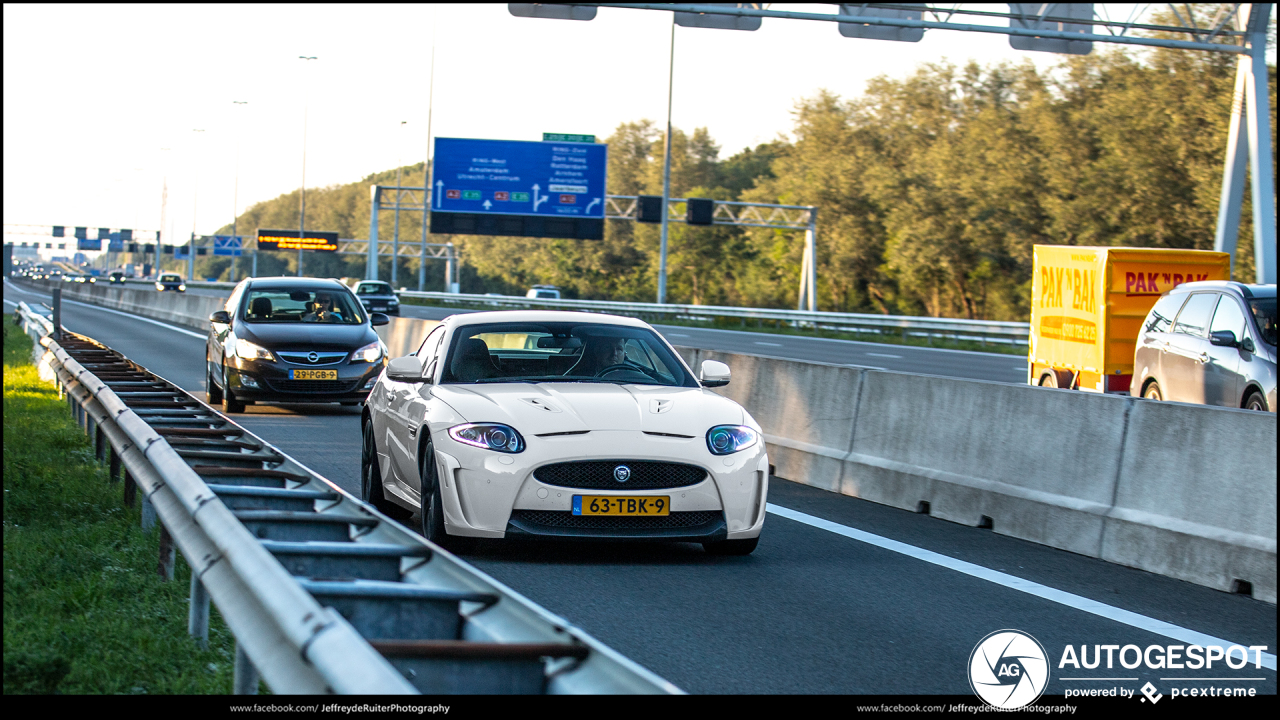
(812,610)
(923,361)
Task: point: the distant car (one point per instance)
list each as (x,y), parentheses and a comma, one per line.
(82,278)
(568,425)
(543,292)
(1212,343)
(116,277)
(171,281)
(378,296)
(292,339)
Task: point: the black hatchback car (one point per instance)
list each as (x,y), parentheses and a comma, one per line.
(291,339)
(378,296)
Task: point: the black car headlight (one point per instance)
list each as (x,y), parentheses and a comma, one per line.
(252,351)
(369,353)
(729,439)
(490,436)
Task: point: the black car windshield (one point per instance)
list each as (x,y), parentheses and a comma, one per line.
(300,305)
(373,288)
(1264,314)
(562,352)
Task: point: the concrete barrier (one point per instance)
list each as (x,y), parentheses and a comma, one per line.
(1186,491)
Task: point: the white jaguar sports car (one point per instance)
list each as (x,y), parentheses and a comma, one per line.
(560,424)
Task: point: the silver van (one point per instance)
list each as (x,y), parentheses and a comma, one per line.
(1212,343)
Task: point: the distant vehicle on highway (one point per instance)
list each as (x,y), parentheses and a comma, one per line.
(1087,305)
(82,278)
(545,292)
(291,339)
(568,425)
(116,277)
(377,296)
(171,281)
(1212,343)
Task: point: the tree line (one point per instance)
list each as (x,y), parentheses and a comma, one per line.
(931,191)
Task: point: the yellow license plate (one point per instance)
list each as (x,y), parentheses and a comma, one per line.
(613,505)
(313,374)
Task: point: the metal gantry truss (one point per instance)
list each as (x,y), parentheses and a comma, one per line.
(399,198)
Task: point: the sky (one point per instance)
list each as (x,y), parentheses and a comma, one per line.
(105,105)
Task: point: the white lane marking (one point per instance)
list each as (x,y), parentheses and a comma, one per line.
(769,344)
(896,357)
(135,317)
(10,302)
(1093,607)
(864,367)
(675,334)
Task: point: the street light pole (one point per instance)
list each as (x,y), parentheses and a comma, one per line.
(395,235)
(426,180)
(164,212)
(235,201)
(195,208)
(666,172)
(302,212)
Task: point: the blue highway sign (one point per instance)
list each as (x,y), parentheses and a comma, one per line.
(228,245)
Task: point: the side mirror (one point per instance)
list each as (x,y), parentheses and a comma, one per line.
(405,369)
(714,374)
(221,317)
(1223,338)
(376,319)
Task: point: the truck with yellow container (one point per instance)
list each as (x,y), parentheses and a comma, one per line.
(1088,304)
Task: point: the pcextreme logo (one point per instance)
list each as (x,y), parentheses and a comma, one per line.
(1008,669)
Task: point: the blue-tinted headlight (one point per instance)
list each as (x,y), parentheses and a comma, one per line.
(490,436)
(728,439)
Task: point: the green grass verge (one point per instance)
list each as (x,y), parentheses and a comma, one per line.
(84,609)
(781,328)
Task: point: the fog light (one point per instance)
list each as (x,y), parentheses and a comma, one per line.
(248,382)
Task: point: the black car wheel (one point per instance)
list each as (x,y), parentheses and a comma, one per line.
(431,511)
(212,393)
(1255,402)
(229,402)
(371,477)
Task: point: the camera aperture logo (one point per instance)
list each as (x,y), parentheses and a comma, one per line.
(1008,669)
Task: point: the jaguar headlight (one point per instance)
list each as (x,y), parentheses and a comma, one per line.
(252,351)
(490,436)
(369,353)
(729,439)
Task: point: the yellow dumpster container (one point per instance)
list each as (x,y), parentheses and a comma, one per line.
(1088,303)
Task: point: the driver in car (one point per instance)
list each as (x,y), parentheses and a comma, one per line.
(322,310)
(598,354)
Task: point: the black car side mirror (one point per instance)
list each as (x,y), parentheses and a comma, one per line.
(1223,338)
(376,319)
(221,317)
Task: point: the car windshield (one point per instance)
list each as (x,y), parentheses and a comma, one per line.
(308,305)
(1264,314)
(170,278)
(373,289)
(562,352)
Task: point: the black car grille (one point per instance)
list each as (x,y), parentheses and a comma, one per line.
(311,387)
(599,474)
(676,520)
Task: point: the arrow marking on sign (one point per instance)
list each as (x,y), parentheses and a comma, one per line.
(591,205)
(537,200)
(486,205)
(439,189)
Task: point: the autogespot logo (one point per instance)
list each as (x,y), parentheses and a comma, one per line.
(1008,669)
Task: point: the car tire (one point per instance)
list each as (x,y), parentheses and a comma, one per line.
(1256,402)
(212,393)
(229,402)
(1153,392)
(731,547)
(431,511)
(371,477)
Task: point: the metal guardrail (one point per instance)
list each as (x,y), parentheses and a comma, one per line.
(322,592)
(984,331)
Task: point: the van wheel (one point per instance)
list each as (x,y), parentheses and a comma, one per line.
(1049,380)
(1255,402)
(1153,391)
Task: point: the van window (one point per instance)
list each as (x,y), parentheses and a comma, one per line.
(1194,318)
(1162,315)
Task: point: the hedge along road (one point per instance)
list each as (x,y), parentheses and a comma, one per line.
(903,358)
(813,610)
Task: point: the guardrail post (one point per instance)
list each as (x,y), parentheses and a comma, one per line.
(167,554)
(131,492)
(113,473)
(99,444)
(246,677)
(148,514)
(57,313)
(198,613)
